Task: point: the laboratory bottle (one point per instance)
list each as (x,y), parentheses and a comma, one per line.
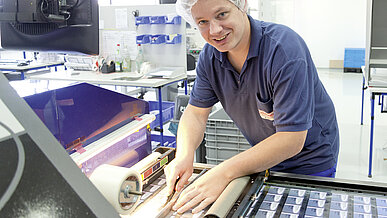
(118,59)
(140,58)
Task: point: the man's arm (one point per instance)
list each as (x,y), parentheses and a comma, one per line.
(266,154)
(191,129)
(189,136)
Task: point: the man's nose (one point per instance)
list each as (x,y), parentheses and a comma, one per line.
(215,27)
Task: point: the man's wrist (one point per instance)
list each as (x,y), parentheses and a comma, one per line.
(228,170)
(185,153)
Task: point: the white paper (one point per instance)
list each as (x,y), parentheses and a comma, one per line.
(126,39)
(121,18)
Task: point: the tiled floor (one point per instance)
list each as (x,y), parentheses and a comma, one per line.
(345,91)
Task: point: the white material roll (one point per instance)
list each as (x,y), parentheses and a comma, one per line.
(146,162)
(119,185)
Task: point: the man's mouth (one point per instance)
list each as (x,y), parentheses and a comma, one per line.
(221,38)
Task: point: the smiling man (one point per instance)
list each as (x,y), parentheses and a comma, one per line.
(264,77)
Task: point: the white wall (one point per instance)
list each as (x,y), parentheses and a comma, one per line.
(327,26)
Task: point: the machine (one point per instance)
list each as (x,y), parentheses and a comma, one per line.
(39,178)
(50,25)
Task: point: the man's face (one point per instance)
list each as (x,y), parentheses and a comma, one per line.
(220,23)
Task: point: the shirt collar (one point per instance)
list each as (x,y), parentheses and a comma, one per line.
(256,36)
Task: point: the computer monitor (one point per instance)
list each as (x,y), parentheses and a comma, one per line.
(50,25)
(167,1)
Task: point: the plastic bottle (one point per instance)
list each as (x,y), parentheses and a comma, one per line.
(139,58)
(118,59)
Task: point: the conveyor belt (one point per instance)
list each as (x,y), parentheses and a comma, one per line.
(290,195)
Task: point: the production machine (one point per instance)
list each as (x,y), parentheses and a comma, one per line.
(56,161)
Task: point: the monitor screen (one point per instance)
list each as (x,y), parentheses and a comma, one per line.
(50,25)
(167,1)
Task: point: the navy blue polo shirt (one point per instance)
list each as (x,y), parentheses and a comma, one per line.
(277,90)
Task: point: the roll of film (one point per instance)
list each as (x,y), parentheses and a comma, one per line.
(121,186)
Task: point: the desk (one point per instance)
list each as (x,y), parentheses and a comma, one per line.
(373,92)
(22,70)
(376,86)
(119,79)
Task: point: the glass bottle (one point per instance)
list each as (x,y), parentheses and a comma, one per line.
(126,59)
(139,58)
(118,59)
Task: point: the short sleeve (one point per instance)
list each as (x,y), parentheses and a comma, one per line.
(202,94)
(293,97)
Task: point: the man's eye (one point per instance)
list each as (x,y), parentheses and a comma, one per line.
(222,14)
(202,22)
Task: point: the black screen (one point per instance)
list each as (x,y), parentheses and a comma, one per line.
(41,29)
(167,1)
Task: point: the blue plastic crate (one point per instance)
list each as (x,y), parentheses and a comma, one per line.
(168,109)
(175,20)
(158,19)
(169,141)
(175,40)
(354,57)
(143,39)
(158,39)
(142,20)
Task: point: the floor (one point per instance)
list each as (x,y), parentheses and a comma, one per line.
(345,91)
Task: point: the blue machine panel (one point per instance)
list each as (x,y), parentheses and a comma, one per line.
(82,113)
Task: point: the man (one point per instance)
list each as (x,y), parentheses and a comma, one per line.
(264,76)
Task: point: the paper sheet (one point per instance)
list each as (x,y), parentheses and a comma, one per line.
(121,18)
(126,39)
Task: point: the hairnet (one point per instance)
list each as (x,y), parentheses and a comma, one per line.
(183,8)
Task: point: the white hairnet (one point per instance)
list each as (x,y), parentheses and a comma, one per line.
(183,8)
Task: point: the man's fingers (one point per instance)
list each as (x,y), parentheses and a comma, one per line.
(196,200)
(171,180)
(185,196)
(202,205)
(182,181)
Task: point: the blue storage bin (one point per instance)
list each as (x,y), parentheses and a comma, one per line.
(169,141)
(175,20)
(175,40)
(158,19)
(142,20)
(168,109)
(143,39)
(354,57)
(158,39)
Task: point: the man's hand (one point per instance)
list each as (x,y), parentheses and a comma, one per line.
(178,168)
(203,191)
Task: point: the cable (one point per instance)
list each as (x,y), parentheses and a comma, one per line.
(46,8)
(19,170)
(75,4)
